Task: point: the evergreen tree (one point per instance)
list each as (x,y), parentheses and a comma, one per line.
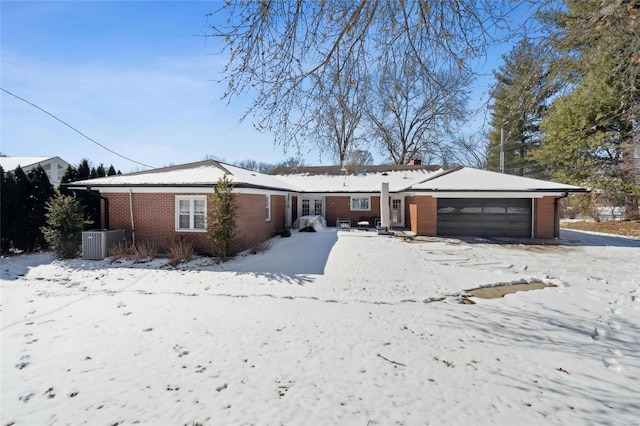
(221,223)
(41,192)
(519,95)
(591,133)
(20,210)
(64,225)
(70,175)
(84,170)
(100,171)
(91,204)
(8,203)
(111,171)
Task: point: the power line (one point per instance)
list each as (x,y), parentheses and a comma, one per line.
(74,129)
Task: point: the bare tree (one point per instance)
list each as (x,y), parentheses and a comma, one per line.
(413,109)
(339,107)
(468,151)
(358,157)
(284,52)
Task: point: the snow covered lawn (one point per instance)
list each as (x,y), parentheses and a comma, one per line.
(346,328)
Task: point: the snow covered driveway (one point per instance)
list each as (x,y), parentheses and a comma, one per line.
(327,328)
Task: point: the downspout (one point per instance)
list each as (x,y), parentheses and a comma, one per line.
(556,216)
(133,228)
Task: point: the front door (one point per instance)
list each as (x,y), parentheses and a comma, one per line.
(397,212)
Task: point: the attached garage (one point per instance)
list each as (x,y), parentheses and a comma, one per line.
(485,217)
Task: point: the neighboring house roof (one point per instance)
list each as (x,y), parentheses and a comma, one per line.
(352,170)
(12,163)
(369,182)
(200,174)
(470,180)
(53,166)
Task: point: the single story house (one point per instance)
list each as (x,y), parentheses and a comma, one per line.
(160,204)
(54,167)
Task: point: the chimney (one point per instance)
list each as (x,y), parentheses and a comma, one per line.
(415,162)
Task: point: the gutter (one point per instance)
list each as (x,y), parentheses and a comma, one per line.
(562,190)
(174,185)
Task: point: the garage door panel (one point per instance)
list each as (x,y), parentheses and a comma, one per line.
(484,217)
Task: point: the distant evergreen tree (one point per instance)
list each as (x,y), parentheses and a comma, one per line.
(41,192)
(84,170)
(64,225)
(70,175)
(90,204)
(8,203)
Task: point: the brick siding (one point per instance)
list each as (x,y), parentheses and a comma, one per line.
(340,207)
(251,222)
(422,215)
(544,218)
(154,218)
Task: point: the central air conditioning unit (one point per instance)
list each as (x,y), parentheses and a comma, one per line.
(96,243)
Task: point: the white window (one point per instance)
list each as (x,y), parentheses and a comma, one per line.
(311,206)
(360,203)
(191,213)
(268,207)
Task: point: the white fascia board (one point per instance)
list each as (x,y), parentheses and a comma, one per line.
(485,194)
(177,189)
(256,191)
(147,190)
(336,194)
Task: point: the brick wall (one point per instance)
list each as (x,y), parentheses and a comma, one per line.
(154,218)
(544,218)
(340,207)
(422,215)
(251,222)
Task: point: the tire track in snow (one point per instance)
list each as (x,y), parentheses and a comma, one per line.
(87,294)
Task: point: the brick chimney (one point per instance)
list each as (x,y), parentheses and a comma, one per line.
(415,162)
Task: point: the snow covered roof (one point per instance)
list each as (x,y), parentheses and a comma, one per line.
(12,163)
(470,179)
(363,182)
(419,179)
(199,174)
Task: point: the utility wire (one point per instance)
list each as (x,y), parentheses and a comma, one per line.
(74,129)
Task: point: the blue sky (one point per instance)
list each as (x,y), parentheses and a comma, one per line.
(138,77)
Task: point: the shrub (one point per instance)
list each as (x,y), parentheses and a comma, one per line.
(122,250)
(259,244)
(180,250)
(65,223)
(144,252)
(284,233)
(587,205)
